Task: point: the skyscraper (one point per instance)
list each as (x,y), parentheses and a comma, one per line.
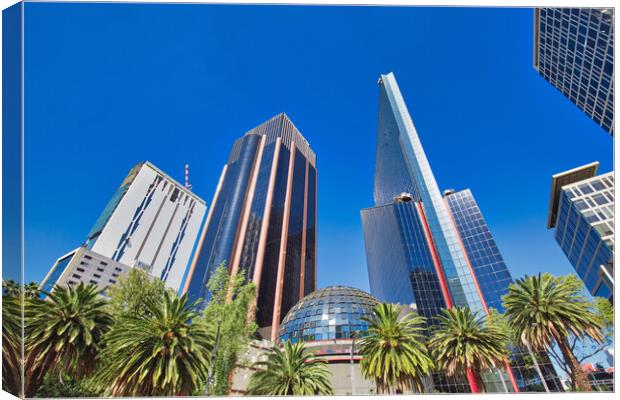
(574,51)
(581,210)
(151,222)
(262,220)
(424,248)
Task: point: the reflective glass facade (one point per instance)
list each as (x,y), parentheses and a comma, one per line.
(584,229)
(426,248)
(334,312)
(491,271)
(574,51)
(400,265)
(262,220)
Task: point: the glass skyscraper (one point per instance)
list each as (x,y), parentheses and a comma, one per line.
(582,212)
(262,221)
(574,51)
(426,248)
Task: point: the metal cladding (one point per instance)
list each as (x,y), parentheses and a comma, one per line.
(262,220)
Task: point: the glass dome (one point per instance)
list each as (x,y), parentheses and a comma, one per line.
(334,312)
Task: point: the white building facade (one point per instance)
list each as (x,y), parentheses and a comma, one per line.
(83,266)
(151,222)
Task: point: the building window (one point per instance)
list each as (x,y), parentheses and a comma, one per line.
(600,199)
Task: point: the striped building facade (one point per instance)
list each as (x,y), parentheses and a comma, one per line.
(151,222)
(262,221)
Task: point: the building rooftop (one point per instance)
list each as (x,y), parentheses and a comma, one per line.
(177,184)
(558,181)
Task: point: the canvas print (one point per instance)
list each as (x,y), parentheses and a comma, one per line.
(290,200)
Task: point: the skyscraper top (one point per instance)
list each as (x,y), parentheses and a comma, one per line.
(558,181)
(279,126)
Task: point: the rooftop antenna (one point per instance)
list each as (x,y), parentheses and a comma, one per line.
(187,184)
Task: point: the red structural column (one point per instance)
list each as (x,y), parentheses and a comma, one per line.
(436,262)
(513,381)
(473,383)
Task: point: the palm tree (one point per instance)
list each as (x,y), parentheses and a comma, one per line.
(394,353)
(159,353)
(543,309)
(63,332)
(290,370)
(463,341)
(12,345)
(31,290)
(10,288)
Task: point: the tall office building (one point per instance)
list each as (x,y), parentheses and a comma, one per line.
(426,248)
(574,51)
(581,210)
(151,222)
(262,221)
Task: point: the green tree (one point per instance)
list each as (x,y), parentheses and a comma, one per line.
(31,290)
(531,360)
(11,340)
(158,353)
(544,309)
(394,352)
(226,319)
(60,384)
(585,347)
(63,333)
(134,293)
(290,371)
(463,341)
(10,288)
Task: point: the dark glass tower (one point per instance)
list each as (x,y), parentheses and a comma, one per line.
(262,220)
(574,51)
(431,249)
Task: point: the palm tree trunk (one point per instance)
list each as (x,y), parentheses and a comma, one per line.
(579,378)
(473,381)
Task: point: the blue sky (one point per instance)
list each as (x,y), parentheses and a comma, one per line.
(109,85)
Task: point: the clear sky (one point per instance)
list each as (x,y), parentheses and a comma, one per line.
(109,85)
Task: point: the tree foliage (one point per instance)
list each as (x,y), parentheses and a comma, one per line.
(58,384)
(463,341)
(157,353)
(585,347)
(394,351)
(64,332)
(134,294)
(226,319)
(545,310)
(12,341)
(290,371)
